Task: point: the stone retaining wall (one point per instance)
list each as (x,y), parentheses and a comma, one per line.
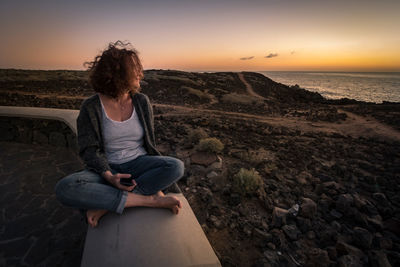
(37,131)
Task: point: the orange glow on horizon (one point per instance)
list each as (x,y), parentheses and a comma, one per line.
(168,35)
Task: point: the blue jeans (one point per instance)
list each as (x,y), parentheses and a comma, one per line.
(88,190)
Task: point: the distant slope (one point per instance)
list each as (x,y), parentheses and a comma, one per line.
(224,91)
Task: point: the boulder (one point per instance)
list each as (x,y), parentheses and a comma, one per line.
(310,235)
(385,243)
(317,257)
(304,224)
(392,225)
(217,223)
(335,214)
(362,238)
(380,199)
(217,165)
(206,195)
(234,199)
(378,258)
(308,208)
(279,217)
(303,177)
(203,158)
(376,222)
(212,174)
(272,258)
(344,202)
(332,253)
(328,237)
(343,248)
(198,169)
(263,235)
(359,201)
(291,232)
(349,261)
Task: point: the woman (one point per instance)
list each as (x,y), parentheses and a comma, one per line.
(116,141)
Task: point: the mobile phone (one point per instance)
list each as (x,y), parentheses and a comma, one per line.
(126,181)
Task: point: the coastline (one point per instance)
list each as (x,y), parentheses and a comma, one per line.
(375,87)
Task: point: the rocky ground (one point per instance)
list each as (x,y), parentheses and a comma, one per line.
(330,169)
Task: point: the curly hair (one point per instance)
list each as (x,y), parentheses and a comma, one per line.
(116,70)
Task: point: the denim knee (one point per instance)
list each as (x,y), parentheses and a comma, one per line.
(176,166)
(61,188)
(65,185)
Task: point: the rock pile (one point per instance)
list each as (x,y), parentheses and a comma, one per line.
(329,200)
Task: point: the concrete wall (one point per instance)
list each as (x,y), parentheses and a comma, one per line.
(37,131)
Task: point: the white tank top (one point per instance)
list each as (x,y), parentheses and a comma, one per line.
(123,140)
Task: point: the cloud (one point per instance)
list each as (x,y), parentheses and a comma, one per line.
(246,58)
(271,55)
(292,52)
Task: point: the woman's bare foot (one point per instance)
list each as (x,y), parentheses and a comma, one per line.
(160,193)
(93,216)
(169,202)
(175,209)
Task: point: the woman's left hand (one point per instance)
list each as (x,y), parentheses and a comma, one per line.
(114,179)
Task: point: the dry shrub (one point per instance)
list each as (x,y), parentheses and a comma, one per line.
(247,182)
(196,92)
(256,157)
(197,134)
(211,144)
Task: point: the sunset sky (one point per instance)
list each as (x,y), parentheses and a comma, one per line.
(205,35)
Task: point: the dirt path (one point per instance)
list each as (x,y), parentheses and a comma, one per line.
(43,95)
(366,126)
(249,88)
(355,126)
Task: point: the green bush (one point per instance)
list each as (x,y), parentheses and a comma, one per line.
(211,144)
(247,182)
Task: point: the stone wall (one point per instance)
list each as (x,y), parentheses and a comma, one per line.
(37,131)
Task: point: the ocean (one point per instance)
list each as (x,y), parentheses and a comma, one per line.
(364,86)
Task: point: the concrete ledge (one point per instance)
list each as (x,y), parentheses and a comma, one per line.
(141,236)
(149,237)
(67,116)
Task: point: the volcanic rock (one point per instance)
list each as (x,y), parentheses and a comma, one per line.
(291,231)
(308,208)
(381,199)
(317,257)
(378,258)
(263,235)
(217,223)
(279,217)
(362,238)
(392,225)
(343,248)
(343,202)
(203,158)
(349,261)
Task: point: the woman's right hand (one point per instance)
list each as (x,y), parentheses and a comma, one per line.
(114,179)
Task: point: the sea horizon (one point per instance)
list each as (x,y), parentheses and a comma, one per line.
(189,70)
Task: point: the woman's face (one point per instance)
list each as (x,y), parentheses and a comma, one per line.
(136,81)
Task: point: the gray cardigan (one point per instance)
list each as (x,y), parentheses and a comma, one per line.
(90,138)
